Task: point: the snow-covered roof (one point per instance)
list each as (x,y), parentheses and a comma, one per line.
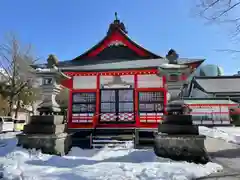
(219,84)
(125,64)
(174,66)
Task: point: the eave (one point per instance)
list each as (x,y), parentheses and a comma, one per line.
(119,64)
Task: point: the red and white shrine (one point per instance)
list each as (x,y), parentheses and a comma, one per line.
(116,84)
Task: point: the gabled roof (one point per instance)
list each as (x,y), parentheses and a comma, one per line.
(218,84)
(117,45)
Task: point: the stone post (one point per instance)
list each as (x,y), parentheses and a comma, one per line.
(47,131)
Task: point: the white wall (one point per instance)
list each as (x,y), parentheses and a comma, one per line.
(22,116)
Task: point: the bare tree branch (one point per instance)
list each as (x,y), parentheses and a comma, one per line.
(228,50)
(225,13)
(15,67)
(215,10)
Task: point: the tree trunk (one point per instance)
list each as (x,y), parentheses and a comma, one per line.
(17,109)
(10,106)
(33,108)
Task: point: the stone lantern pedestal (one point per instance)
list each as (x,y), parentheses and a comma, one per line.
(178,138)
(47,131)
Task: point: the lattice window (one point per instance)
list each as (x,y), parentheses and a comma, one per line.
(117,105)
(151,101)
(108,96)
(108,107)
(150,107)
(108,101)
(151,96)
(84,102)
(126,107)
(84,97)
(125,102)
(83,107)
(125,95)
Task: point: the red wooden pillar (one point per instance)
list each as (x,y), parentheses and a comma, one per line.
(97,113)
(136,103)
(68,83)
(69,115)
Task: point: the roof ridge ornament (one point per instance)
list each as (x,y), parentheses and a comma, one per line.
(116,24)
(116,18)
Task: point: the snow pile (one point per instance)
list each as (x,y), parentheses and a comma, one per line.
(173,66)
(122,163)
(104,164)
(231,131)
(229,134)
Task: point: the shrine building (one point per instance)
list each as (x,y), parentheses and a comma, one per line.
(116,85)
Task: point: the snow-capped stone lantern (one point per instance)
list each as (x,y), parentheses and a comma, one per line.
(176,74)
(47,131)
(178,138)
(51,79)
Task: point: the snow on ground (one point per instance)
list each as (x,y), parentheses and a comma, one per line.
(234,131)
(121,163)
(229,134)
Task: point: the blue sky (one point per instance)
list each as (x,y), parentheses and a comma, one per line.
(69,27)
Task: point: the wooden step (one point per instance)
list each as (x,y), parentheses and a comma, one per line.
(110,141)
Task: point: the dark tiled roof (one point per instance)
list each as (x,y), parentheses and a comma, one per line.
(96,61)
(219,84)
(94,65)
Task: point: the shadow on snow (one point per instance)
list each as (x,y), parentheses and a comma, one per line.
(132,157)
(228,153)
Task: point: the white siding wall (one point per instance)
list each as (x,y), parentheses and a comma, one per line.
(149,81)
(210,115)
(84,82)
(22,116)
(109,80)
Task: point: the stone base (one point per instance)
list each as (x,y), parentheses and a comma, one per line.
(49,110)
(47,119)
(181,147)
(44,129)
(57,144)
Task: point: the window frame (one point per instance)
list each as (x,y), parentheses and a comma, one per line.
(154,102)
(117,102)
(84,103)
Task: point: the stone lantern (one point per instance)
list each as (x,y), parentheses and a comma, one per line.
(176,74)
(51,87)
(178,138)
(47,131)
